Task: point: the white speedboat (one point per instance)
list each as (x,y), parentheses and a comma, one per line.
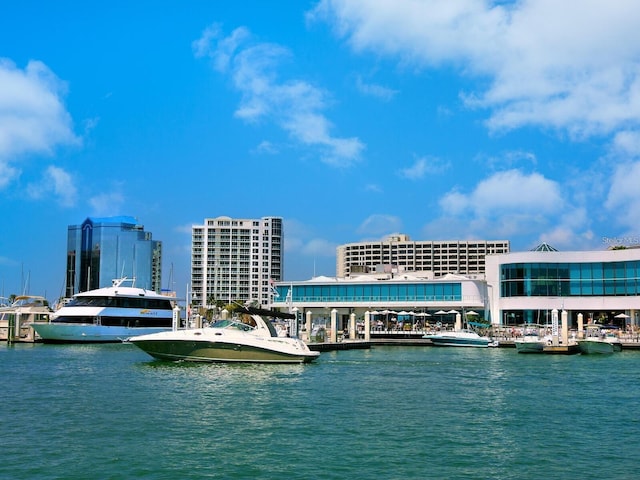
(459,338)
(531,341)
(109,314)
(16,320)
(251,338)
(599,342)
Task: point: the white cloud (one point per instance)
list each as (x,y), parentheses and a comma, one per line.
(380,224)
(294,105)
(319,247)
(57,184)
(107,204)
(505,205)
(627,143)
(33,118)
(507,191)
(423,166)
(373,90)
(7,174)
(623,200)
(570,65)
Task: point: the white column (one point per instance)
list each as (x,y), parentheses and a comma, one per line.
(565,328)
(308,325)
(334,326)
(580,326)
(352,326)
(367,326)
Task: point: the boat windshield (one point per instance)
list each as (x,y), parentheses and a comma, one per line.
(232,324)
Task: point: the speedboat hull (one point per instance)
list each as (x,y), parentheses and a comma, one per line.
(459,342)
(208,351)
(536,346)
(89,333)
(459,339)
(597,346)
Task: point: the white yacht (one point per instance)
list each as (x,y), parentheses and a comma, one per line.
(459,338)
(109,314)
(250,339)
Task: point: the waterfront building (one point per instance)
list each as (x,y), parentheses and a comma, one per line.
(398,253)
(235,260)
(100,250)
(518,287)
(602,285)
(423,300)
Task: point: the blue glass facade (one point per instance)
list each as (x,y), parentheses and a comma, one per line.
(327,294)
(102,249)
(600,279)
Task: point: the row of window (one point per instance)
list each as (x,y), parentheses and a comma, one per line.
(371,293)
(565,279)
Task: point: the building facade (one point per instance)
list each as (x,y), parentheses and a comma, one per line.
(389,298)
(235,260)
(398,253)
(603,286)
(103,249)
(517,288)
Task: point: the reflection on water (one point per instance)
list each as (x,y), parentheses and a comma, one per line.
(384,413)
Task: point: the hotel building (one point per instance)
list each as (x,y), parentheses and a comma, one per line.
(235,260)
(103,249)
(398,253)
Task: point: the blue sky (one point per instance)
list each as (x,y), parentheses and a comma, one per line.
(351,119)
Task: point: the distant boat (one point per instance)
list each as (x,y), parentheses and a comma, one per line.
(532,341)
(109,314)
(252,339)
(459,338)
(599,341)
(16,320)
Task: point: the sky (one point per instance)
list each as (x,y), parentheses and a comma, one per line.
(350,119)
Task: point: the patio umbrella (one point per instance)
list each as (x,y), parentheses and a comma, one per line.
(471,312)
(622,315)
(441,312)
(452,311)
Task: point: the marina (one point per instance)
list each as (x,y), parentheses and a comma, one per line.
(387,412)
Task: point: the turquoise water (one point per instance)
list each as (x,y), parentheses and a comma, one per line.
(110,412)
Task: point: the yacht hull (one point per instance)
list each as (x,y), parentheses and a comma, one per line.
(89,333)
(208,351)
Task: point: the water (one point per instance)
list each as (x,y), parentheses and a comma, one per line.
(110,412)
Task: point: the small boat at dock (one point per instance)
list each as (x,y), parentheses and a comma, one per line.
(459,338)
(598,341)
(17,319)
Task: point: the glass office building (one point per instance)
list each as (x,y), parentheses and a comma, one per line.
(603,286)
(103,249)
